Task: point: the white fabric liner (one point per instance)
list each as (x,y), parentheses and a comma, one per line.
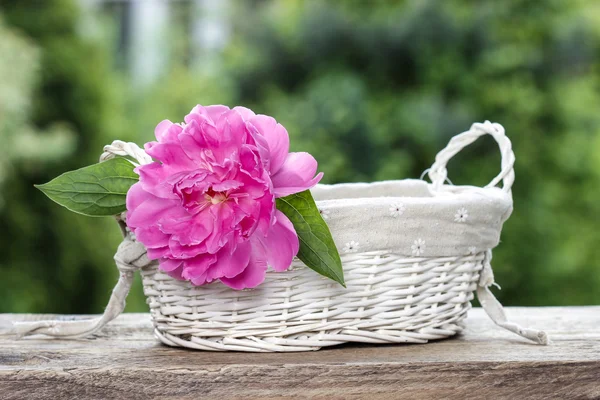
(366,213)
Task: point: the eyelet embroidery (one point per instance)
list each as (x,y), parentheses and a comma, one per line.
(397,209)
(351,247)
(418,247)
(461,215)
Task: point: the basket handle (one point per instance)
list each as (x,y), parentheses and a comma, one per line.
(438,172)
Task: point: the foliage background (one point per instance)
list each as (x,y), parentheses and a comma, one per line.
(372,89)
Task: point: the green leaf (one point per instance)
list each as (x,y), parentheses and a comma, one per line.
(97,190)
(317,249)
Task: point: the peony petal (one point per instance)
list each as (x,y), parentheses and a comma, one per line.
(296,175)
(213,113)
(254,274)
(171,155)
(177,273)
(255,187)
(182,251)
(169,264)
(232,259)
(136,195)
(222,137)
(222,232)
(158,253)
(193,143)
(248,159)
(246,113)
(281,244)
(163,131)
(204,131)
(151,211)
(153,178)
(190,231)
(282,192)
(277,139)
(260,142)
(195,269)
(233,130)
(266,216)
(152,237)
(226,185)
(232,134)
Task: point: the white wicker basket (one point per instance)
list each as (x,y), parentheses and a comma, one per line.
(410,260)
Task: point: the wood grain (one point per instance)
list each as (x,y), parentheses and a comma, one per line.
(125,361)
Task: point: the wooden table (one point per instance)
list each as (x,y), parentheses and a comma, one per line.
(126,361)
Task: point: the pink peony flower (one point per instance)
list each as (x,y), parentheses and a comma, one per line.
(206,208)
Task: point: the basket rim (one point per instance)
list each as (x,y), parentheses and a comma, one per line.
(408,191)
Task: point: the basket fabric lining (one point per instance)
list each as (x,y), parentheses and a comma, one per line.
(452,221)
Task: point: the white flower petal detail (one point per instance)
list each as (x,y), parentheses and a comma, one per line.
(472,250)
(351,247)
(397,209)
(461,215)
(418,247)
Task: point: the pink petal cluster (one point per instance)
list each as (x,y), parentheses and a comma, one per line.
(206,208)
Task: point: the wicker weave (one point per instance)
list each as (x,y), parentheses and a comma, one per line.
(390,297)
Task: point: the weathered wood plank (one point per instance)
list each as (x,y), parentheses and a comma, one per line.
(485,362)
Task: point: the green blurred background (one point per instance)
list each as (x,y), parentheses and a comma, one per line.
(373,89)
